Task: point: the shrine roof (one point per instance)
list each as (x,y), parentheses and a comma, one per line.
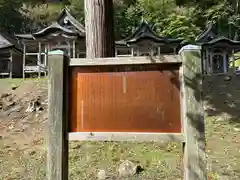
(65,23)
(8,40)
(208,34)
(144,31)
(67,16)
(54,27)
(222,40)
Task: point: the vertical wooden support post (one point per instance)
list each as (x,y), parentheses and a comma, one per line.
(57,157)
(159,51)
(233,62)
(152,51)
(39,59)
(203,59)
(48,47)
(193,114)
(174,51)
(132,51)
(69,48)
(24,60)
(45,59)
(11,64)
(116,53)
(138,51)
(74,49)
(225,63)
(211,62)
(48,50)
(207,61)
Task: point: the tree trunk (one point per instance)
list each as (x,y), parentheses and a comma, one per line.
(99,28)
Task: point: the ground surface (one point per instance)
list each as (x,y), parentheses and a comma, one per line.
(23,148)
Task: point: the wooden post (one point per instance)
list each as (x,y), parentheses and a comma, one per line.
(99,28)
(159,51)
(138,51)
(11,64)
(152,51)
(132,51)
(193,114)
(69,48)
(211,62)
(45,59)
(225,63)
(24,59)
(207,61)
(233,61)
(174,50)
(39,59)
(74,49)
(116,52)
(57,158)
(203,59)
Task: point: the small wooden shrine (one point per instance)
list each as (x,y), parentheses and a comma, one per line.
(144,41)
(217,51)
(10,56)
(65,34)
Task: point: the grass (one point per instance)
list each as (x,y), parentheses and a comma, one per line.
(222,149)
(6,83)
(158,162)
(86,158)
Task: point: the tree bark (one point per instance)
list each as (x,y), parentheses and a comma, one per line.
(99,27)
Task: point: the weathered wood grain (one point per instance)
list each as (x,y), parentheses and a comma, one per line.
(193,115)
(125,60)
(57,157)
(124,136)
(139,98)
(99,28)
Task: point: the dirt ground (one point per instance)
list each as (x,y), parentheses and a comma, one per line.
(23,145)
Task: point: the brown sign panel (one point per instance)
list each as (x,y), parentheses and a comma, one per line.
(133,98)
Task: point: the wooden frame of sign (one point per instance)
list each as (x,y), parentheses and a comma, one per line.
(192,115)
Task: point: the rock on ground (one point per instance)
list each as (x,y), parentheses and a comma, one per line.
(127,168)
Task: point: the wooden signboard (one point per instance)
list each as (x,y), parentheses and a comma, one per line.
(126,99)
(133,98)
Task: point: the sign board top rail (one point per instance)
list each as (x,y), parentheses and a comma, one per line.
(125,60)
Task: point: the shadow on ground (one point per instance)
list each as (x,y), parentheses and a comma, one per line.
(222,97)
